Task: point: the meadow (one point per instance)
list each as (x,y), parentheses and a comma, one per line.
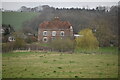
(59,65)
(16,19)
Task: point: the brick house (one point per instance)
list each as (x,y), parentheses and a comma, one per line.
(55,29)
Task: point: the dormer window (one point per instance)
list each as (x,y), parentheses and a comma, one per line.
(62,33)
(44,33)
(53,33)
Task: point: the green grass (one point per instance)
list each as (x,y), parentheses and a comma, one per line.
(108,50)
(16,19)
(57,65)
(100,50)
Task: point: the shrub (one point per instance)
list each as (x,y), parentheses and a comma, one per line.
(10,46)
(31,39)
(62,45)
(87,41)
(7,47)
(19,43)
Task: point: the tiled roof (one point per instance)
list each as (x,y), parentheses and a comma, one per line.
(56,24)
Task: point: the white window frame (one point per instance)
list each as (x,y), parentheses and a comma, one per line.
(11,39)
(53,33)
(62,32)
(44,33)
(2,31)
(44,39)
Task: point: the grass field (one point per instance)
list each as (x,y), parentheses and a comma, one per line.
(57,65)
(16,19)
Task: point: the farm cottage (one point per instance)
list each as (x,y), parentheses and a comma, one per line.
(55,29)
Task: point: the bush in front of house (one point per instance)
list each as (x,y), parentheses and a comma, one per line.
(19,43)
(87,41)
(15,45)
(7,47)
(62,45)
(31,39)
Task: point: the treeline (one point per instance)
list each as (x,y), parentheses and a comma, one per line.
(100,8)
(79,17)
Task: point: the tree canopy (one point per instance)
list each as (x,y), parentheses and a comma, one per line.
(86,40)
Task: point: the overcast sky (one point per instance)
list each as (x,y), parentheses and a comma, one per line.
(60,0)
(16,4)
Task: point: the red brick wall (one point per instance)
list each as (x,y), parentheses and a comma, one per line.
(67,33)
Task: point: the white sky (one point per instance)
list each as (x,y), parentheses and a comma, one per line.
(59,0)
(16,4)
